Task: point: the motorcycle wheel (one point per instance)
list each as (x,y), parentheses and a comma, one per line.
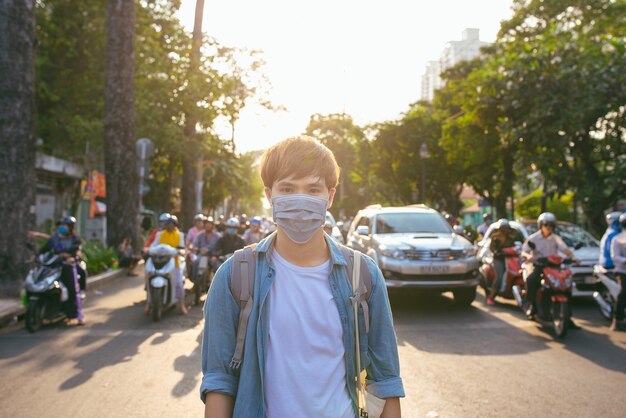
(34,315)
(560,318)
(156,299)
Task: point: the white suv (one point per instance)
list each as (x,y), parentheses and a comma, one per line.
(416,248)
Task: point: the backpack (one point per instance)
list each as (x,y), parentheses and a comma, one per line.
(242,279)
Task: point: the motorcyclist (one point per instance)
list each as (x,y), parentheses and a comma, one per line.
(253,234)
(482,228)
(502,236)
(198,226)
(618,256)
(171,236)
(614,228)
(230,241)
(162,219)
(546,243)
(65,244)
(205,243)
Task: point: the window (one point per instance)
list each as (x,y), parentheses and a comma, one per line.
(408,222)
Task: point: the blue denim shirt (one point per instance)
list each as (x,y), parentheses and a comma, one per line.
(379,351)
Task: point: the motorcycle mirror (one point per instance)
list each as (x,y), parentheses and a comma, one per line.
(532,245)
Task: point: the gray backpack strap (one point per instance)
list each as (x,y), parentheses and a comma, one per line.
(361,294)
(242,287)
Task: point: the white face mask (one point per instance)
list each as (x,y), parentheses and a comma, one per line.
(299,215)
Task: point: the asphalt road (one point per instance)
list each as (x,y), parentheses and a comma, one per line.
(476,362)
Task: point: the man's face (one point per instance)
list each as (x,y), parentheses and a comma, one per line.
(311,185)
(169,227)
(208,227)
(199,224)
(546,229)
(254,228)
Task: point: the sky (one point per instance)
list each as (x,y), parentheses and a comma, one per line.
(361,57)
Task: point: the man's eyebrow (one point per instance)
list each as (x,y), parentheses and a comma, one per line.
(288,183)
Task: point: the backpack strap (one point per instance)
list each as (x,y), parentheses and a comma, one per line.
(242,276)
(364,284)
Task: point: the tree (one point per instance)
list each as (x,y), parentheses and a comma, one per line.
(17,139)
(119,124)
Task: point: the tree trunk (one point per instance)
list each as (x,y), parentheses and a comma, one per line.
(190,159)
(122,178)
(17,139)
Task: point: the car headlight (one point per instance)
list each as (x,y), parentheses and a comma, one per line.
(470,252)
(392,252)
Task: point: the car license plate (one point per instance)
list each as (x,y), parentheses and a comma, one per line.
(590,280)
(434,269)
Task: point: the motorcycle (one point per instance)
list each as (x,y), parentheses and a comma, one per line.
(204,274)
(553,295)
(512,273)
(45,293)
(160,270)
(607,293)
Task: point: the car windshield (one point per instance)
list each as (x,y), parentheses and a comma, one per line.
(571,234)
(411,222)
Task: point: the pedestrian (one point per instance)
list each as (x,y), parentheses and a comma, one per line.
(126,258)
(299,354)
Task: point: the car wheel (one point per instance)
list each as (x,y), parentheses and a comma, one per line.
(464,297)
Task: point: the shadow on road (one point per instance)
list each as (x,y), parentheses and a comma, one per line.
(433,323)
(189,366)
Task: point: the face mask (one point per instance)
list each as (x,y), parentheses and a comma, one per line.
(231,231)
(63,230)
(299,215)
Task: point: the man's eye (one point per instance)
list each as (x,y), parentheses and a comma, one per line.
(286,190)
(314,191)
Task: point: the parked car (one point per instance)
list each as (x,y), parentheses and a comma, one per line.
(336,234)
(572,234)
(416,248)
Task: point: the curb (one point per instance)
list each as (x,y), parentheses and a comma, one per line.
(15,312)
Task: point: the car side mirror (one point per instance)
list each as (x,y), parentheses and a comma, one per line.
(579,246)
(363,230)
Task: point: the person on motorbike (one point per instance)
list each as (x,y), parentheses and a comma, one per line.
(614,228)
(253,234)
(198,226)
(230,241)
(172,236)
(482,228)
(546,243)
(205,243)
(618,256)
(162,218)
(65,244)
(502,236)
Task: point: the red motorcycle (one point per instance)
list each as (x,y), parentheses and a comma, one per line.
(553,296)
(512,273)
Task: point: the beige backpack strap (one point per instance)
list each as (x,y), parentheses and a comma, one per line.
(363,287)
(242,277)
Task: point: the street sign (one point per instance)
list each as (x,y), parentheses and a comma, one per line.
(144,148)
(143,168)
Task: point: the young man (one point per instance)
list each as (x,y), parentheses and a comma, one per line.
(299,352)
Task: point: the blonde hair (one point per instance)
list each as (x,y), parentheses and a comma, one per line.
(298,157)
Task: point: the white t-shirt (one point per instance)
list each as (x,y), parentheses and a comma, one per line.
(305,372)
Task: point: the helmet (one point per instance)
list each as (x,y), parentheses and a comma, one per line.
(67,220)
(232,223)
(208,220)
(486,216)
(199,217)
(174,219)
(504,223)
(622,220)
(546,218)
(612,217)
(255,221)
(164,217)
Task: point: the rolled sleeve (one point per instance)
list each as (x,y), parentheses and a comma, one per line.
(221,315)
(383,372)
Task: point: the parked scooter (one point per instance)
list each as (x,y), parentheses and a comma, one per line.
(45,293)
(160,272)
(512,273)
(607,291)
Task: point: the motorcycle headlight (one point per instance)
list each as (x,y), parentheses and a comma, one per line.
(392,252)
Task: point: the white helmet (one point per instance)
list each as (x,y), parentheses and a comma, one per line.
(164,217)
(612,217)
(232,223)
(503,223)
(199,217)
(546,218)
(622,219)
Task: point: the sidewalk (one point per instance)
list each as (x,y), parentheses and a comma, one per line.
(12,308)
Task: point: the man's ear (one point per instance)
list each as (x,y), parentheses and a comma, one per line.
(331,196)
(268,195)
